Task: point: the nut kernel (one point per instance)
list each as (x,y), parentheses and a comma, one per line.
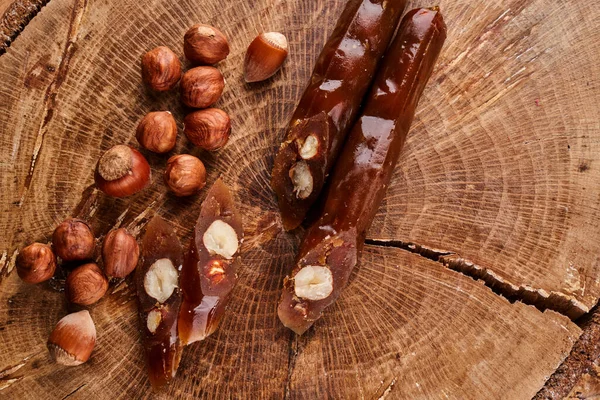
(309,148)
(161,280)
(220,238)
(153,321)
(313,283)
(301,179)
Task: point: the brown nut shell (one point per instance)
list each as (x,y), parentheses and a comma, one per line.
(86,285)
(122,171)
(205,44)
(264,56)
(161,69)
(36,263)
(73,339)
(73,240)
(201,87)
(185,175)
(120,253)
(208,129)
(157,132)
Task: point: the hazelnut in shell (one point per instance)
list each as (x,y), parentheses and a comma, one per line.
(85,285)
(122,171)
(73,240)
(73,339)
(185,175)
(208,129)
(161,69)
(120,253)
(264,56)
(36,263)
(201,87)
(157,132)
(205,44)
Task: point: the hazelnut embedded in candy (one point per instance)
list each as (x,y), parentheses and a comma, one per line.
(313,283)
(220,238)
(301,179)
(161,280)
(73,240)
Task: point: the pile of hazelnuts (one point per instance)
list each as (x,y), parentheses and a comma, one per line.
(73,241)
(123,171)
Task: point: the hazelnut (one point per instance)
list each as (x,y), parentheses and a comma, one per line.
(161,69)
(120,253)
(161,280)
(122,171)
(205,44)
(265,55)
(36,263)
(73,339)
(153,320)
(308,148)
(185,174)
(86,285)
(301,179)
(220,238)
(201,87)
(73,240)
(313,283)
(208,129)
(157,132)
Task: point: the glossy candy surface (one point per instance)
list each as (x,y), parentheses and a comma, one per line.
(365,166)
(332,99)
(163,348)
(207,279)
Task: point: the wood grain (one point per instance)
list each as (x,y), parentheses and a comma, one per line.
(500,167)
(484,178)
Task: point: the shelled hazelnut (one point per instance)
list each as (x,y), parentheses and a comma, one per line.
(122,171)
(264,56)
(205,44)
(120,253)
(157,132)
(86,285)
(73,240)
(201,87)
(185,175)
(208,129)
(161,69)
(36,263)
(73,339)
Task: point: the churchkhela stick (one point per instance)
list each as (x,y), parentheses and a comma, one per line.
(332,245)
(209,268)
(330,104)
(157,283)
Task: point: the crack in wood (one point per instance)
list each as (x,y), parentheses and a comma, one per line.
(74,391)
(50,104)
(537,297)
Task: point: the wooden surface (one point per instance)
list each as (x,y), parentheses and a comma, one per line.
(498,182)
